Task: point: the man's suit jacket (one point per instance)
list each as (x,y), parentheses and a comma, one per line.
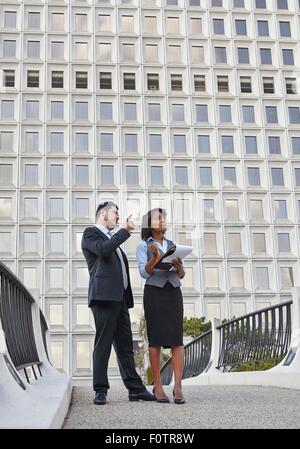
(106,279)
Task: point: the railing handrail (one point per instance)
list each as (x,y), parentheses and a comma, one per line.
(16,281)
(256,312)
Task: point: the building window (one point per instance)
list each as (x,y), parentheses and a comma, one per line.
(259,242)
(130,112)
(81,80)
(283,242)
(223,84)
(150,24)
(227,144)
(57,110)
(10,19)
(57,21)
(128,52)
(179,143)
(203,144)
(271,114)
(241,27)
(263,28)
(34,19)
(57,50)
(176,82)
(9,49)
(285,29)
(105,80)
(288,57)
(33,78)
(104,52)
(294,115)
(218,26)
(280,209)
(291,86)
(246,86)
(262,278)
(209,209)
(106,142)
(106,111)
(32,110)
(131,143)
(81,142)
(104,22)
(229,176)
(152,81)
(197,54)
(127,24)
(155,143)
(248,114)
(57,142)
(251,144)
(256,210)
(56,175)
(6,141)
(81,110)
(106,174)
(181,175)
(156,175)
(195,25)
(31,174)
(129,81)
(177,112)
(33,49)
(277,177)
(7,109)
(201,113)
(243,55)
(199,83)
(132,174)
(205,176)
(220,55)
(265,56)
(268,85)
(154,112)
(253,176)
(174,53)
(225,113)
(81,22)
(172,25)
(8,78)
(57,79)
(151,53)
(274,145)
(296,145)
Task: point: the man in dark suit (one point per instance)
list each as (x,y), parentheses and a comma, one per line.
(110,297)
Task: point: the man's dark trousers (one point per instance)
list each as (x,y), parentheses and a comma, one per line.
(113,327)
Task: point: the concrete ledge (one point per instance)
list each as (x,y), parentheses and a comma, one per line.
(262,378)
(43,405)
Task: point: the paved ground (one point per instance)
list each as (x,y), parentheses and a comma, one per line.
(206,407)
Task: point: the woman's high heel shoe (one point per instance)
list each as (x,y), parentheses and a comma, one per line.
(178,401)
(164,400)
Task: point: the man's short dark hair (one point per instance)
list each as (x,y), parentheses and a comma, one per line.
(105,205)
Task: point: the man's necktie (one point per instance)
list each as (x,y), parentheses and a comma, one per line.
(124,272)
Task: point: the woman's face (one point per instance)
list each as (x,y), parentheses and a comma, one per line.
(158,222)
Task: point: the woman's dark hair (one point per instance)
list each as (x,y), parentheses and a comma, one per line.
(146,222)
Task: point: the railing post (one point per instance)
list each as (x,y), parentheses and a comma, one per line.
(291,362)
(215,349)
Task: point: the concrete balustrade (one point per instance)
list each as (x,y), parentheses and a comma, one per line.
(285,375)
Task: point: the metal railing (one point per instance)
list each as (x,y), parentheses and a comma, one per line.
(196,358)
(16,321)
(259,336)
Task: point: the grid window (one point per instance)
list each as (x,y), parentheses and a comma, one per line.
(199,83)
(291,86)
(105,80)
(251,144)
(10,19)
(155,143)
(268,85)
(274,145)
(263,28)
(265,56)
(246,85)
(280,209)
(8,78)
(81,80)
(9,49)
(129,81)
(156,175)
(181,175)
(277,177)
(57,79)
(176,82)
(203,144)
(253,176)
(153,81)
(33,78)
(222,83)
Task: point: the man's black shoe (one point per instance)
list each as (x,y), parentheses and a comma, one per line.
(142,396)
(100,398)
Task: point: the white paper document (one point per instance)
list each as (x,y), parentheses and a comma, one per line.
(181,251)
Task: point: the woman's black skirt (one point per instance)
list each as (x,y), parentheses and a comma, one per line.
(164,315)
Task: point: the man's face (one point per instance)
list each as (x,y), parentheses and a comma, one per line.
(111,217)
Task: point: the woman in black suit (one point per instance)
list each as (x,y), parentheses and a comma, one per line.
(163,303)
